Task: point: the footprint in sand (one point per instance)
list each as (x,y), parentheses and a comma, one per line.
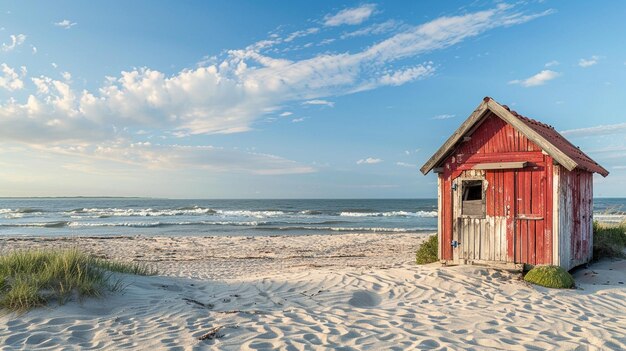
(364,299)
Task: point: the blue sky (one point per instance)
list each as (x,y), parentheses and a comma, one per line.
(278,99)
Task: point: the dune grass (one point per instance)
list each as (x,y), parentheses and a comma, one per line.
(609,240)
(34,278)
(428,251)
(550,277)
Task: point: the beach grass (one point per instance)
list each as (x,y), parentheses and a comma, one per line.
(550,276)
(33,278)
(428,251)
(609,240)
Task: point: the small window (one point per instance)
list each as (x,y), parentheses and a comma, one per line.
(473,201)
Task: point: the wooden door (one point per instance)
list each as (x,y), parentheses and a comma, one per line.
(530,216)
(472,234)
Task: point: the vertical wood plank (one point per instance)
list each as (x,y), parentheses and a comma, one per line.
(548,214)
(535,196)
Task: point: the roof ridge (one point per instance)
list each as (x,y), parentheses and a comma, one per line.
(528,119)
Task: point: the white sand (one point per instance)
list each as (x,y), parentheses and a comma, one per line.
(355,291)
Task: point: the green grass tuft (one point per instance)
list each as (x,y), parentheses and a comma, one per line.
(33,278)
(428,251)
(125,268)
(550,277)
(608,240)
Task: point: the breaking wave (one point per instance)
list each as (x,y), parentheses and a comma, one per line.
(350,229)
(425,214)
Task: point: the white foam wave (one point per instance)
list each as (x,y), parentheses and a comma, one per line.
(367,229)
(157,224)
(248,213)
(423,214)
(149,212)
(140,212)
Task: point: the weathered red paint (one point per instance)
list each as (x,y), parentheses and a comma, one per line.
(523,191)
(542,210)
(548,210)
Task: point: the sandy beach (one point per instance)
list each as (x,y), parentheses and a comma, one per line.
(350,292)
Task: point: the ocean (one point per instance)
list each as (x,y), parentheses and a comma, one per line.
(167,217)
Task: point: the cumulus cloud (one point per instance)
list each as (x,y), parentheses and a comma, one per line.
(10,79)
(319,102)
(538,79)
(16,40)
(352,16)
(584,63)
(228,95)
(369,161)
(65,24)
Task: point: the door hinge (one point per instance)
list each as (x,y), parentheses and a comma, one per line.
(455,244)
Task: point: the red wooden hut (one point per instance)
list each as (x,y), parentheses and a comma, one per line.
(513,191)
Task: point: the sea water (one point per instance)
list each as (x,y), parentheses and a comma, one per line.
(147,216)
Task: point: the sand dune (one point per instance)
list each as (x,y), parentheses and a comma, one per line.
(341,307)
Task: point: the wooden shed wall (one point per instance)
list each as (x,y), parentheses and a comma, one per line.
(573,216)
(496,141)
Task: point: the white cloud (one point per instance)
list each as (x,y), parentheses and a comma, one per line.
(552,63)
(174,157)
(444,116)
(538,79)
(301,33)
(228,96)
(597,130)
(34,49)
(66,75)
(407,75)
(588,62)
(286,114)
(16,40)
(65,24)
(10,80)
(369,161)
(298,120)
(374,29)
(407,165)
(408,152)
(355,15)
(319,102)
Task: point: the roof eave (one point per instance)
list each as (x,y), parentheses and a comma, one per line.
(455,137)
(489,104)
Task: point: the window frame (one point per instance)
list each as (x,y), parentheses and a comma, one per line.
(483,200)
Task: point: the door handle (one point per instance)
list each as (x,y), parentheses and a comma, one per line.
(455,244)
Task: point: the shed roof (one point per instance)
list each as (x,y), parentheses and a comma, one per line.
(545,136)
